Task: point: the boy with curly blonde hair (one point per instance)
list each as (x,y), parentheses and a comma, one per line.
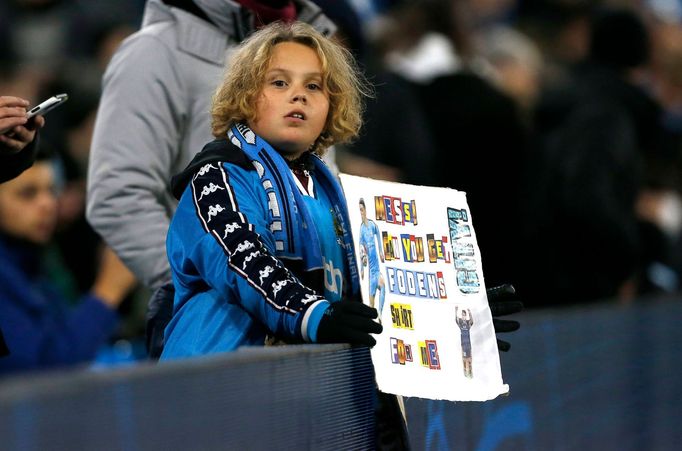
(260,245)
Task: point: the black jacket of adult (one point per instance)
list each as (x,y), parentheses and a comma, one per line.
(13,164)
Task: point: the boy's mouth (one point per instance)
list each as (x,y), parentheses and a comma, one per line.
(296,115)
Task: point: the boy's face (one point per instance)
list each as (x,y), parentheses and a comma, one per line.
(292,108)
(28,205)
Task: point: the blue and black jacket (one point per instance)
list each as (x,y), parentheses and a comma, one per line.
(238,274)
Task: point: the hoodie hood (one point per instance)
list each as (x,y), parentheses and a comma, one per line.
(227,14)
(232,18)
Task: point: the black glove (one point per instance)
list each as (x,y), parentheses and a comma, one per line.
(502,301)
(349,322)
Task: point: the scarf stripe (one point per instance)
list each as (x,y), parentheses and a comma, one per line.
(265,158)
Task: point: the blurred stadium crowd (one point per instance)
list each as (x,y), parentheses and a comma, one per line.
(560,119)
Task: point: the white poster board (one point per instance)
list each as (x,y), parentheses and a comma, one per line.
(438,340)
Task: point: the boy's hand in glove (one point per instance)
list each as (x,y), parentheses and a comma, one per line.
(348,322)
(502,301)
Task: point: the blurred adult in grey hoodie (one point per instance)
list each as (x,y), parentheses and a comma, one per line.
(154,116)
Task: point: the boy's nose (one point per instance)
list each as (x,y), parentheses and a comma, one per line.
(300,98)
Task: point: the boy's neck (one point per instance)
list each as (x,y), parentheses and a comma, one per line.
(301,168)
(301,162)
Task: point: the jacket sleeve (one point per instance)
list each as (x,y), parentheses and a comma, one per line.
(220,236)
(69,337)
(137,138)
(13,164)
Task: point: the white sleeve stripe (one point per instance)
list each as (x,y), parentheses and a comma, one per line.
(198,209)
(304,324)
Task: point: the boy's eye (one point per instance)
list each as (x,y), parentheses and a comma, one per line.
(279,83)
(314,86)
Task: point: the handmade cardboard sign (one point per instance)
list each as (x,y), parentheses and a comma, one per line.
(420,266)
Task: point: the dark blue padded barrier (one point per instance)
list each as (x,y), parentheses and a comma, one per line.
(597,378)
(283,398)
(600,378)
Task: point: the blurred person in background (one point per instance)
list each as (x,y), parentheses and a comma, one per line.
(154,116)
(600,144)
(55,46)
(17,148)
(43,329)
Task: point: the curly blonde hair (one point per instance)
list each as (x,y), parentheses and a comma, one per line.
(235,99)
